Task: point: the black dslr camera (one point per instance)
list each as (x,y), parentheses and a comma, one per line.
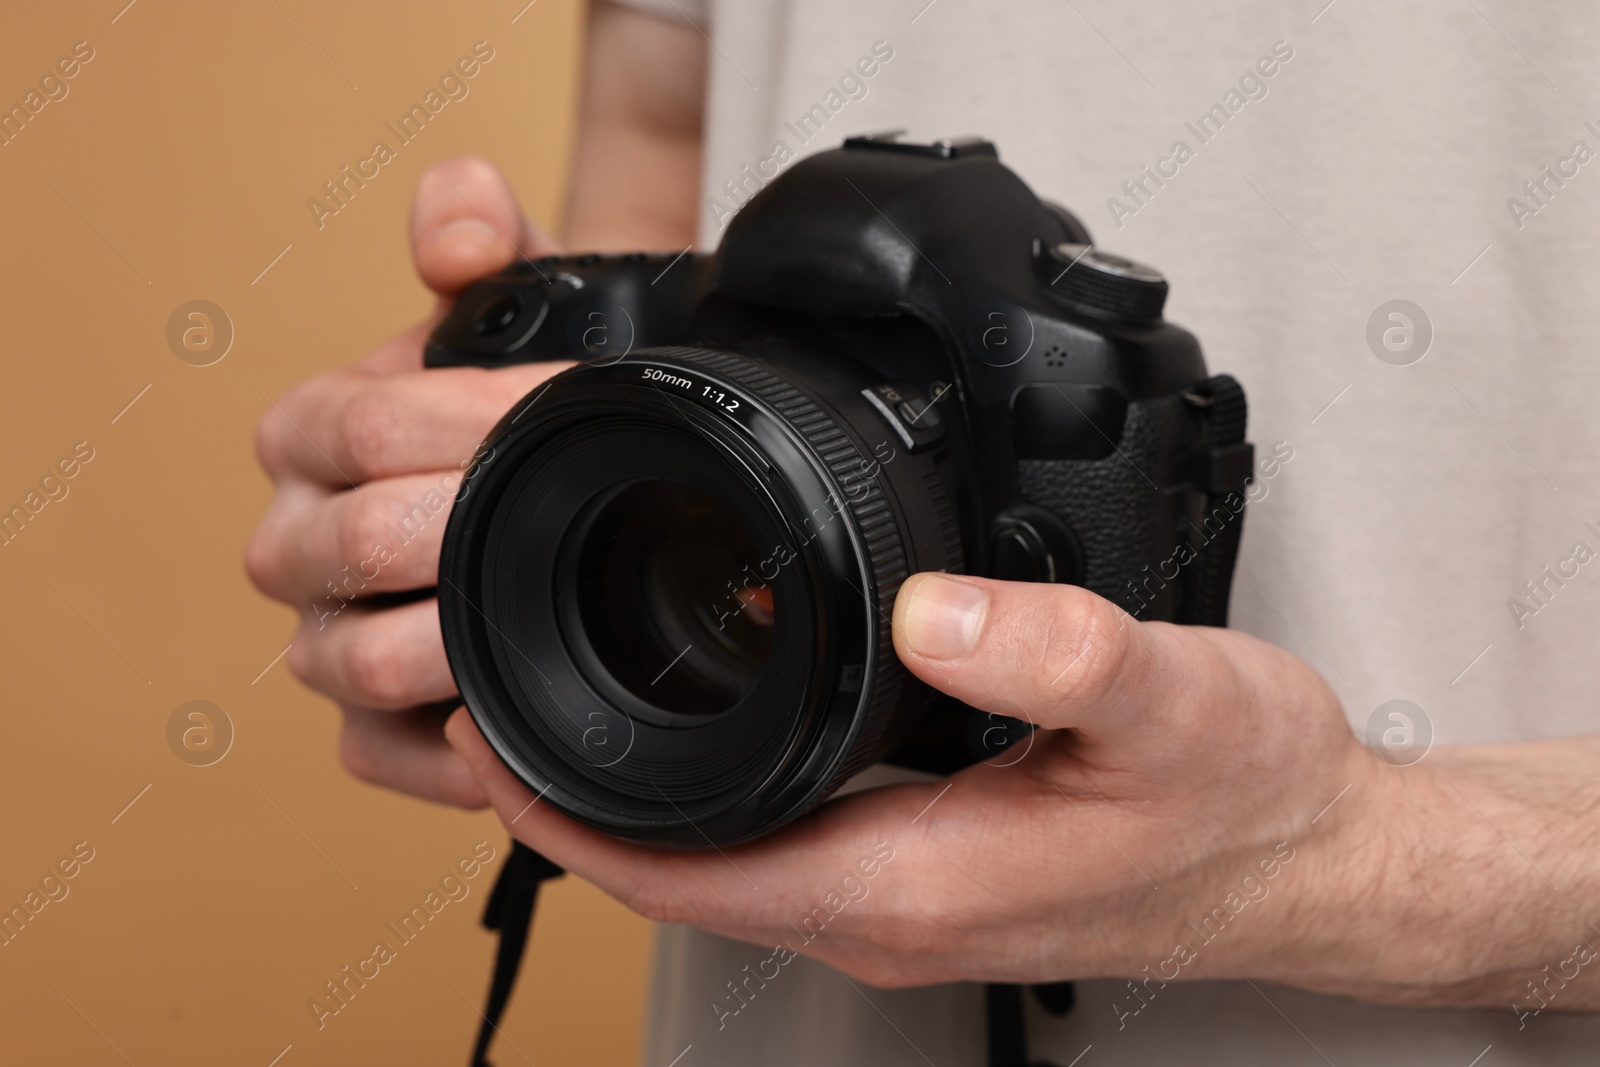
(667,582)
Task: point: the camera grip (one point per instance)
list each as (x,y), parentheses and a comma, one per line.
(1160,518)
(1117,506)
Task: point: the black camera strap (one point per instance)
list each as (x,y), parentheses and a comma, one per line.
(1008,1028)
(510,912)
(510,909)
(1222,468)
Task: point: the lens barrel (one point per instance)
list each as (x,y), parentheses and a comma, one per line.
(665,591)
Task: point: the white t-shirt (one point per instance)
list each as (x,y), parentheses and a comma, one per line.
(1429,151)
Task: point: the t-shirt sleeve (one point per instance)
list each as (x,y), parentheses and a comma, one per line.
(695,11)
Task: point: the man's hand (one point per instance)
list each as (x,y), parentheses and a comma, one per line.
(366,460)
(1194,804)
(354,453)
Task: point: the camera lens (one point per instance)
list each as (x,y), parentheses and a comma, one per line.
(656,591)
(665,592)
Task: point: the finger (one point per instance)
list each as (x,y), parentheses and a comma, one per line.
(316,548)
(406,751)
(751,891)
(466,223)
(615,866)
(403,351)
(1064,656)
(345,428)
(270,553)
(391,659)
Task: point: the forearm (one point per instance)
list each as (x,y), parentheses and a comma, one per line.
(1471,879)
(636,165)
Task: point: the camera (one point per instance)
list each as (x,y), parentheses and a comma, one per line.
(666,585)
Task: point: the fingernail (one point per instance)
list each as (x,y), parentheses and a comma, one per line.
(466,230)
(944,618)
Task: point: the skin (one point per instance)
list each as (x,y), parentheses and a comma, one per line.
(1174,769)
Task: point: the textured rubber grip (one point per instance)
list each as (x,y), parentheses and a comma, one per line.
(1117,505)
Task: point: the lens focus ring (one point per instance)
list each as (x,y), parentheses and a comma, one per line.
(582,593)
(883,546)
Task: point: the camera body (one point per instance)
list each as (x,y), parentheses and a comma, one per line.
(898,360)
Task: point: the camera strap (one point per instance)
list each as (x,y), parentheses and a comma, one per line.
(1222,468)
(1008,1028)
(510,912)
(510,909)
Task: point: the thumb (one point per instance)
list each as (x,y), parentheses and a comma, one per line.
(1061,655)
(466,223)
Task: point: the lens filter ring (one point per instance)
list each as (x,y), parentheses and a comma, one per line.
(591,540)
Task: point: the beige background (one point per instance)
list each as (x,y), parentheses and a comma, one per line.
(177,168)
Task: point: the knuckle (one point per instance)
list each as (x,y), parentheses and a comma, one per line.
(358,755)
(261,561)
(375,671)
(301,658)
(367,429)
(269,442)
(1087,639)
(358,528)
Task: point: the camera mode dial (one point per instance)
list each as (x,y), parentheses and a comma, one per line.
(1102,283)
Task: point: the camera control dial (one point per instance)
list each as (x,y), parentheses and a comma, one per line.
(1102,283)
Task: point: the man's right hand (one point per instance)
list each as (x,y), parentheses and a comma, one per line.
(354,454)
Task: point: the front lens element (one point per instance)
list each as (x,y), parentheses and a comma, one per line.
(664,595)
(670,599)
